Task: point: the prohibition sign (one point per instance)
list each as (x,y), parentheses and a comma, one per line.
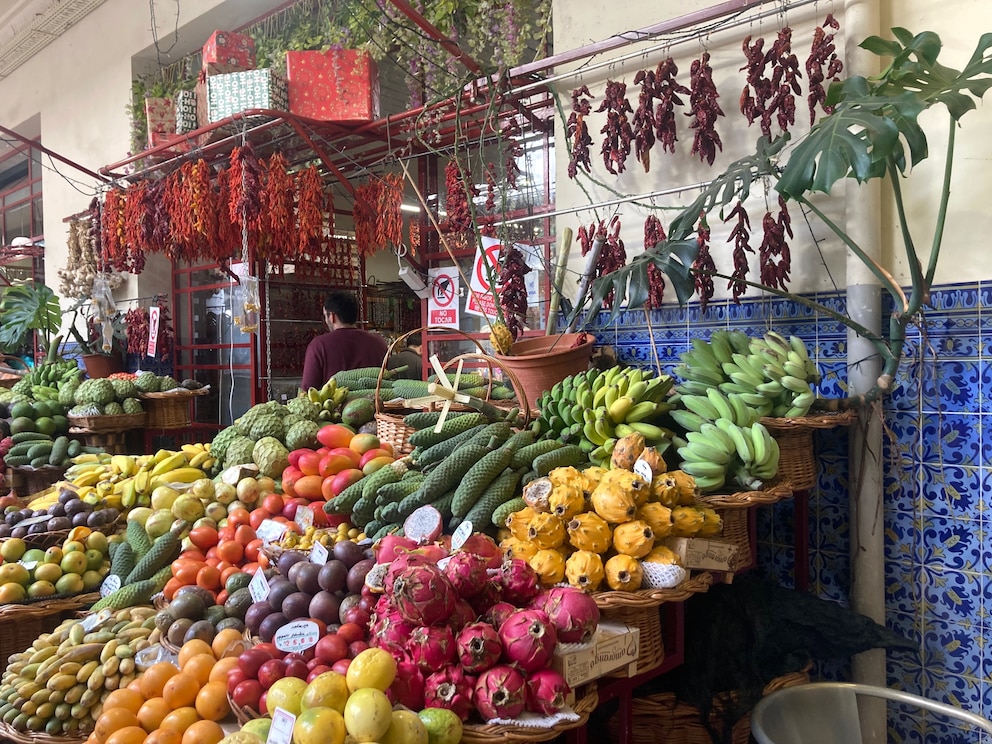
(443,290)
(492,257)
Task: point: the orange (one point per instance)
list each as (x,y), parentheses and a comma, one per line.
(222,668)
(150,714)
(211,701)
(163,737)
(191,649)
(127,735)
(203,732)
(180,720)
(124,698)
(180,691)
(135,685)
(154,678)
(111,720)
(228,642)
(199,666)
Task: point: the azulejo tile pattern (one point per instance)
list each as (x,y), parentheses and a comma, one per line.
(938,468)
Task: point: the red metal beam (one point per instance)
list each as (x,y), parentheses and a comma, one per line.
(41,148)
(449,46)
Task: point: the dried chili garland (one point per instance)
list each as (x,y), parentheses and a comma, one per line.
(277,203)
(619,135)
(578,132)
(667,90)
(456,198)
(136,320)
(785,83)
(822,52)
(643,126)
(703,267)
(612,257)
(377,216)
(310,213)
(113,233)
(135,227)
(705,110)
(174,202)
(739,235)
(245,186)
(774,253)
(654,233)
(513,289)
(158,217)
(203,209)
(228,242)
(757,88)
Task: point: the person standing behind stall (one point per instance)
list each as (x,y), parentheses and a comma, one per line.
(411,357)
(344,346)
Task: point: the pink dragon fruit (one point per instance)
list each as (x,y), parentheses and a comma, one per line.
(450,688)
(519,581)
(547,692)
(403,561)
(492,592)
(500,692)
(431,648)
(408,687)
(467,573)
(423,595)
(574,613)
(479,647)
(497,614)
(383,606)
(461,615)
(528,639)
(391,632)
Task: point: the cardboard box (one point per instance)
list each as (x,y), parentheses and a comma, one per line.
(235,92)
(337,85)
(703,554)
(161,115)
(186,117)
(179,145)
(614,646)
(228,52)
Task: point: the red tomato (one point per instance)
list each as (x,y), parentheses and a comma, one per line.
(244,534)
(231,551)
(251,550)
(273,504)
(203,537)
(258,516)
(238,517)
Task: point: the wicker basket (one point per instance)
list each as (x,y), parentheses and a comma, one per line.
(109,423)
(661,718)
(243,715)
(797,463)
(169,410)
(502,733)
(21,624)
(9,733)
(111,442)
(28,481)
(733,510)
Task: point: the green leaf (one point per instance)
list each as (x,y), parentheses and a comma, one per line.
(881,47)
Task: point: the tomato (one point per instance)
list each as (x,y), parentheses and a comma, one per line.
(203,537)
(258,516)
(226,532)
(251,549)
(244,534)
(208,577)
(238,517)
(273,503)
(231,551)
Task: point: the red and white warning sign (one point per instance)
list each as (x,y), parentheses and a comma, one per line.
(442,305)
(480,300)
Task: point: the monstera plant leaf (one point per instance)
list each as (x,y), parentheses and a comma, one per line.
(28,307)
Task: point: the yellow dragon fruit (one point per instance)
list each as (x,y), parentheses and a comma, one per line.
(566,474)
(712,522)
(659,518)
(613,503)
(686,521)
(654,460)
(549,565)
(514,548)
(593,476)
(567,500)
(626,480)
(589,531)
(624,573)
(633,538)
(665,491)
(627,450)
(584,570)
(686,487)
(537,492)
(517,522)
(546,531)
(661,554)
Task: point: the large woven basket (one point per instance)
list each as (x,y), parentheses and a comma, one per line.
(111,442)
(797,464)
(733,510)
(169,410)
(586,702)
(21,624)
(122,422)
(28,481)
(662,719)
(9,733)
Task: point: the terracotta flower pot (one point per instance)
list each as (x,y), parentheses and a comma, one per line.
(540,362)
(102,365)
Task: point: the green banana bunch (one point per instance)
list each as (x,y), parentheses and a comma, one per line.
(330,397)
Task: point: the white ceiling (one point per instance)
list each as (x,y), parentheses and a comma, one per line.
(28,26)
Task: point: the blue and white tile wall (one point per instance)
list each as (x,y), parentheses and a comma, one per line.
(938,572)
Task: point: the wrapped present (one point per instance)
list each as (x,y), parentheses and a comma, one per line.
(228,52)
(186,117)
(238,91)
(178,144)
(161,116)
(336,85)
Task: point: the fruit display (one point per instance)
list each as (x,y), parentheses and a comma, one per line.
(198,613)
(77,565)
(594,409)
(106,396)
(140,565)
(66,679)
(59,510)
(34,434)
(46,382)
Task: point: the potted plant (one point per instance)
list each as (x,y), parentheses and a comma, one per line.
(872,132)
(30,307)
(98,360)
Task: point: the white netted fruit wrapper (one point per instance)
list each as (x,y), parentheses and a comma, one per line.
(662,575)
(533,720)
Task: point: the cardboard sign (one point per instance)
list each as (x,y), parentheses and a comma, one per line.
(258,587)
(442,305)
(270,531)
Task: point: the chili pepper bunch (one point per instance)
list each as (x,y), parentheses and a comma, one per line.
(705,109)
(512,288)
(774,254)
(619,134)
(578,132)
(822,53)
(654,233)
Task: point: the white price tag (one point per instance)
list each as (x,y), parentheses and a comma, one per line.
(30,565)
(270,531)
(304,517)
(92,621)
(258,587)
(281,728)
(462,533)
(318,554)
(110,585)
(298,635)
(644,470)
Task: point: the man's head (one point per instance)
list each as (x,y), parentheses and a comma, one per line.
(414,342)
(340,310)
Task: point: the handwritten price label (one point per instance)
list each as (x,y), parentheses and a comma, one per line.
(281,728)
(462,533)
(298,635)
(644,470)
(318,554)
(270,531)
(110,585)
(304,517)
(258,587)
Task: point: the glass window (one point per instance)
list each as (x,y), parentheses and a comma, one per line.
(17,223)
(38,224)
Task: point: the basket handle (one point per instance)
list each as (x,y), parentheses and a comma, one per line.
(393,345)
(517,387)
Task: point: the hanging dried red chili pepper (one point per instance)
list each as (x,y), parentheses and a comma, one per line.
(703,267)
(113,231)
(757,88)
(785,83)
(277,204)
(619,135)
(203,209)
(739,235)
(134,225)
(310,213)
(512,149)
(822,52)
(157,227)
(228,242)
(174,202)
(586,235)
(456,199)
(136,320)
(389,212)
(612,257)
(774,253)
(513,288)
(643,126)
(667,90)
(705,109)
(245,184)
(578,132)
(490,187)
(654,233)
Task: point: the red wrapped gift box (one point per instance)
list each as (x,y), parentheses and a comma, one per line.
(180,144)
(336,85)
(161,115)
(228,52)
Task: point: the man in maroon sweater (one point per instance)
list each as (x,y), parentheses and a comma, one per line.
(344,347)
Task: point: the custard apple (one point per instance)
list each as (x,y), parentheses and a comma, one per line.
(271,456)
(268,425)
(67,393)
(124,389)
(113,409)
(302,434)
(132,406)
(167,383)
(147,382)
(99,391)
(290,419)
(239,451)
(305,407)
(218,447)
(21,387)
(86,409)
(245,423)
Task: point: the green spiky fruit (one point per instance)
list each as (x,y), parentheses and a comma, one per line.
(271,456)
(302,434)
